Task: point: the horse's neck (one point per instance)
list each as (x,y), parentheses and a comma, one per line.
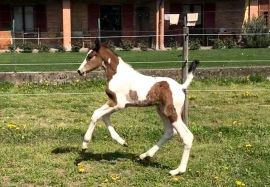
(123,71)
(125,68)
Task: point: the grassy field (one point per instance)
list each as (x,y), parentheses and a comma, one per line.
(138,59)
(41,135)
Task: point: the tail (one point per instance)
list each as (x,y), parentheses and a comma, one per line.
(191,72)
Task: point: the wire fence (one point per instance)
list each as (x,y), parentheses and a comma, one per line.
(213,50)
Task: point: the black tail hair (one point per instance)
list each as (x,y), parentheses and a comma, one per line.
(193,66)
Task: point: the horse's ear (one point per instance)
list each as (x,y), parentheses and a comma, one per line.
(97,45)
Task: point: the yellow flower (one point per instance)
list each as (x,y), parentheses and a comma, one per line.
(234,122)
(239,183)
(106,180)
(248,145)
(175,179)
(22,137)
(216,177)
(17,128)
(24,126)
(114,178)
(81,170)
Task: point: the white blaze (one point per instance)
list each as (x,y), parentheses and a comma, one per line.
(84,62)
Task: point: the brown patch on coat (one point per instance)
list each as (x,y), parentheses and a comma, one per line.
(133,95)
(112,97)
(111,68)
(160,93)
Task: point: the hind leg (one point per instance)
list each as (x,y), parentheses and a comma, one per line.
(187,137)
(168,134)
(114,134)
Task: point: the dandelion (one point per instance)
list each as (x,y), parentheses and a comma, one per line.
(175,179)
(81,170)
(11,126)
(248,145)
(77,80)
(216,177)
(24,126)
(22,137)
(17,128)
(131,126)
(114,178)
(225,167)
(239,183)
(234,122)
(106,180)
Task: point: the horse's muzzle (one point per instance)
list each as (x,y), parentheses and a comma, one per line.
(80,73)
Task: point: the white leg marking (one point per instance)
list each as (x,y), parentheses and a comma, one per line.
(95,117)
(187,137)
(114,134)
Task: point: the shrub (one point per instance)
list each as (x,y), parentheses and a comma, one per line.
(127,45)
(43,48)
(195,44)
(173,44)
(143,45)
(76,46)
(230,43)
(218,44)
(11,47)
(255,33)
(111,45)
(27,47)
(61,48)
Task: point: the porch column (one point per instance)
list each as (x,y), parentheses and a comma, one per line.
(161,26)
(157,25)
(66,25)
(253,8)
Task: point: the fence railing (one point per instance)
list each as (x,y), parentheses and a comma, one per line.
(213,50)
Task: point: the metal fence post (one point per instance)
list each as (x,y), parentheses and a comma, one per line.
(13,46)
(185,72)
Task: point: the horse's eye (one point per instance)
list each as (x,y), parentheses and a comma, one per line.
(89,57)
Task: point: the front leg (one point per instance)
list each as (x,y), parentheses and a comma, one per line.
(98,113)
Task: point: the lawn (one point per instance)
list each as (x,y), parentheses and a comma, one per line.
(42,126)
(138,59)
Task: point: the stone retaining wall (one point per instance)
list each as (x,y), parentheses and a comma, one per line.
(64,77)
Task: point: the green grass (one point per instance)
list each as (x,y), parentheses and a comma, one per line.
(41,136)
(138,59)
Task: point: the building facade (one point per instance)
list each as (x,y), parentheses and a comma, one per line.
(61,20)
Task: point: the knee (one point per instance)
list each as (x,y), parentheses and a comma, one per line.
(188,140)
(95,117)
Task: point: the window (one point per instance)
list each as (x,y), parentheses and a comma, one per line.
(30,18)
(194,9)
(110,17)
(24,18)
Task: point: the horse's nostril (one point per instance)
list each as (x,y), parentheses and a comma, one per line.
(79,72)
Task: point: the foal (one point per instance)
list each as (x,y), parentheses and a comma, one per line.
(126,87)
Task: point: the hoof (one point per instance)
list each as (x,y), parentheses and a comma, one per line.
(125,144)
(174,172)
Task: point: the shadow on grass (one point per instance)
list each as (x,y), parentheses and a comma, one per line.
(109,157)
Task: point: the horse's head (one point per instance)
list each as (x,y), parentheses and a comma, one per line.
(97,57)
(92,61)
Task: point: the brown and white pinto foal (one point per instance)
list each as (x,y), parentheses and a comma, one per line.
(127,87)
